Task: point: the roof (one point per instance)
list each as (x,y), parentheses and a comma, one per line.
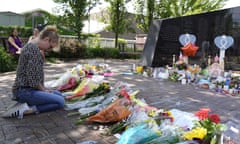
(9,12)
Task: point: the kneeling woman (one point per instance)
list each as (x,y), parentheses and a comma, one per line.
(28,88)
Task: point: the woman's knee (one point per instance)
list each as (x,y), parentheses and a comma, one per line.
(57,92)
(61,102)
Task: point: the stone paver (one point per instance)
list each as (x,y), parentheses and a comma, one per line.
(56,128)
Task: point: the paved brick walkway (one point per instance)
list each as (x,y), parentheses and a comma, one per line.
(56,128)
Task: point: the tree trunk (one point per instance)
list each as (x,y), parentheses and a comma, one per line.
(116,40)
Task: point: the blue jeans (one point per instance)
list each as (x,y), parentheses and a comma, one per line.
(43,101)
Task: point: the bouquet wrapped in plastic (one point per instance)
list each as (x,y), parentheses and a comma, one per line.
(116,111)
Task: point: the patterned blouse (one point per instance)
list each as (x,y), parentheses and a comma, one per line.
(30,67)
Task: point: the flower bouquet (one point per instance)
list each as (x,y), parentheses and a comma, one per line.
(208,129)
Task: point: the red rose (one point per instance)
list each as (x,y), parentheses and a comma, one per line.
(214,118)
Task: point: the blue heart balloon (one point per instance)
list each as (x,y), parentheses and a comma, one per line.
(223,42)
(185,39)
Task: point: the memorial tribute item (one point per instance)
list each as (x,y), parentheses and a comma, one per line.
(223,42)
(189,48)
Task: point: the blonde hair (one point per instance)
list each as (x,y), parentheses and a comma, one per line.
(51,32)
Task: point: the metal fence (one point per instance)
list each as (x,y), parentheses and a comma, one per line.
(103,42)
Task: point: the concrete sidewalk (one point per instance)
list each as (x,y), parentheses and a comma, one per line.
(56,128)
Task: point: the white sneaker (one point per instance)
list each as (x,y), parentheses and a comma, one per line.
(16,111)
(12,105)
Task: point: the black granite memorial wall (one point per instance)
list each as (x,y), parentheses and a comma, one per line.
(163,38)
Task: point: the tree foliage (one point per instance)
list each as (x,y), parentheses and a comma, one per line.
(74,13)
(175,8)
(118,20)
(147,10)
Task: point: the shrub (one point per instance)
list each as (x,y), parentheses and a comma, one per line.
(72,49)
(94,42)
(23,31)
(111,53)
(122,41)
(69,48)
(6,61)
(102,53)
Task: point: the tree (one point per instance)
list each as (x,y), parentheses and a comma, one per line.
(177,8)
(148,10)
(118,20)
(74,13)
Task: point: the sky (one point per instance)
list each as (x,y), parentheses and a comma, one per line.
(19,6)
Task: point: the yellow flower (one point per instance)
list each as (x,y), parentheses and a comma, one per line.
(198,132)
(152,113)
(169,113)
